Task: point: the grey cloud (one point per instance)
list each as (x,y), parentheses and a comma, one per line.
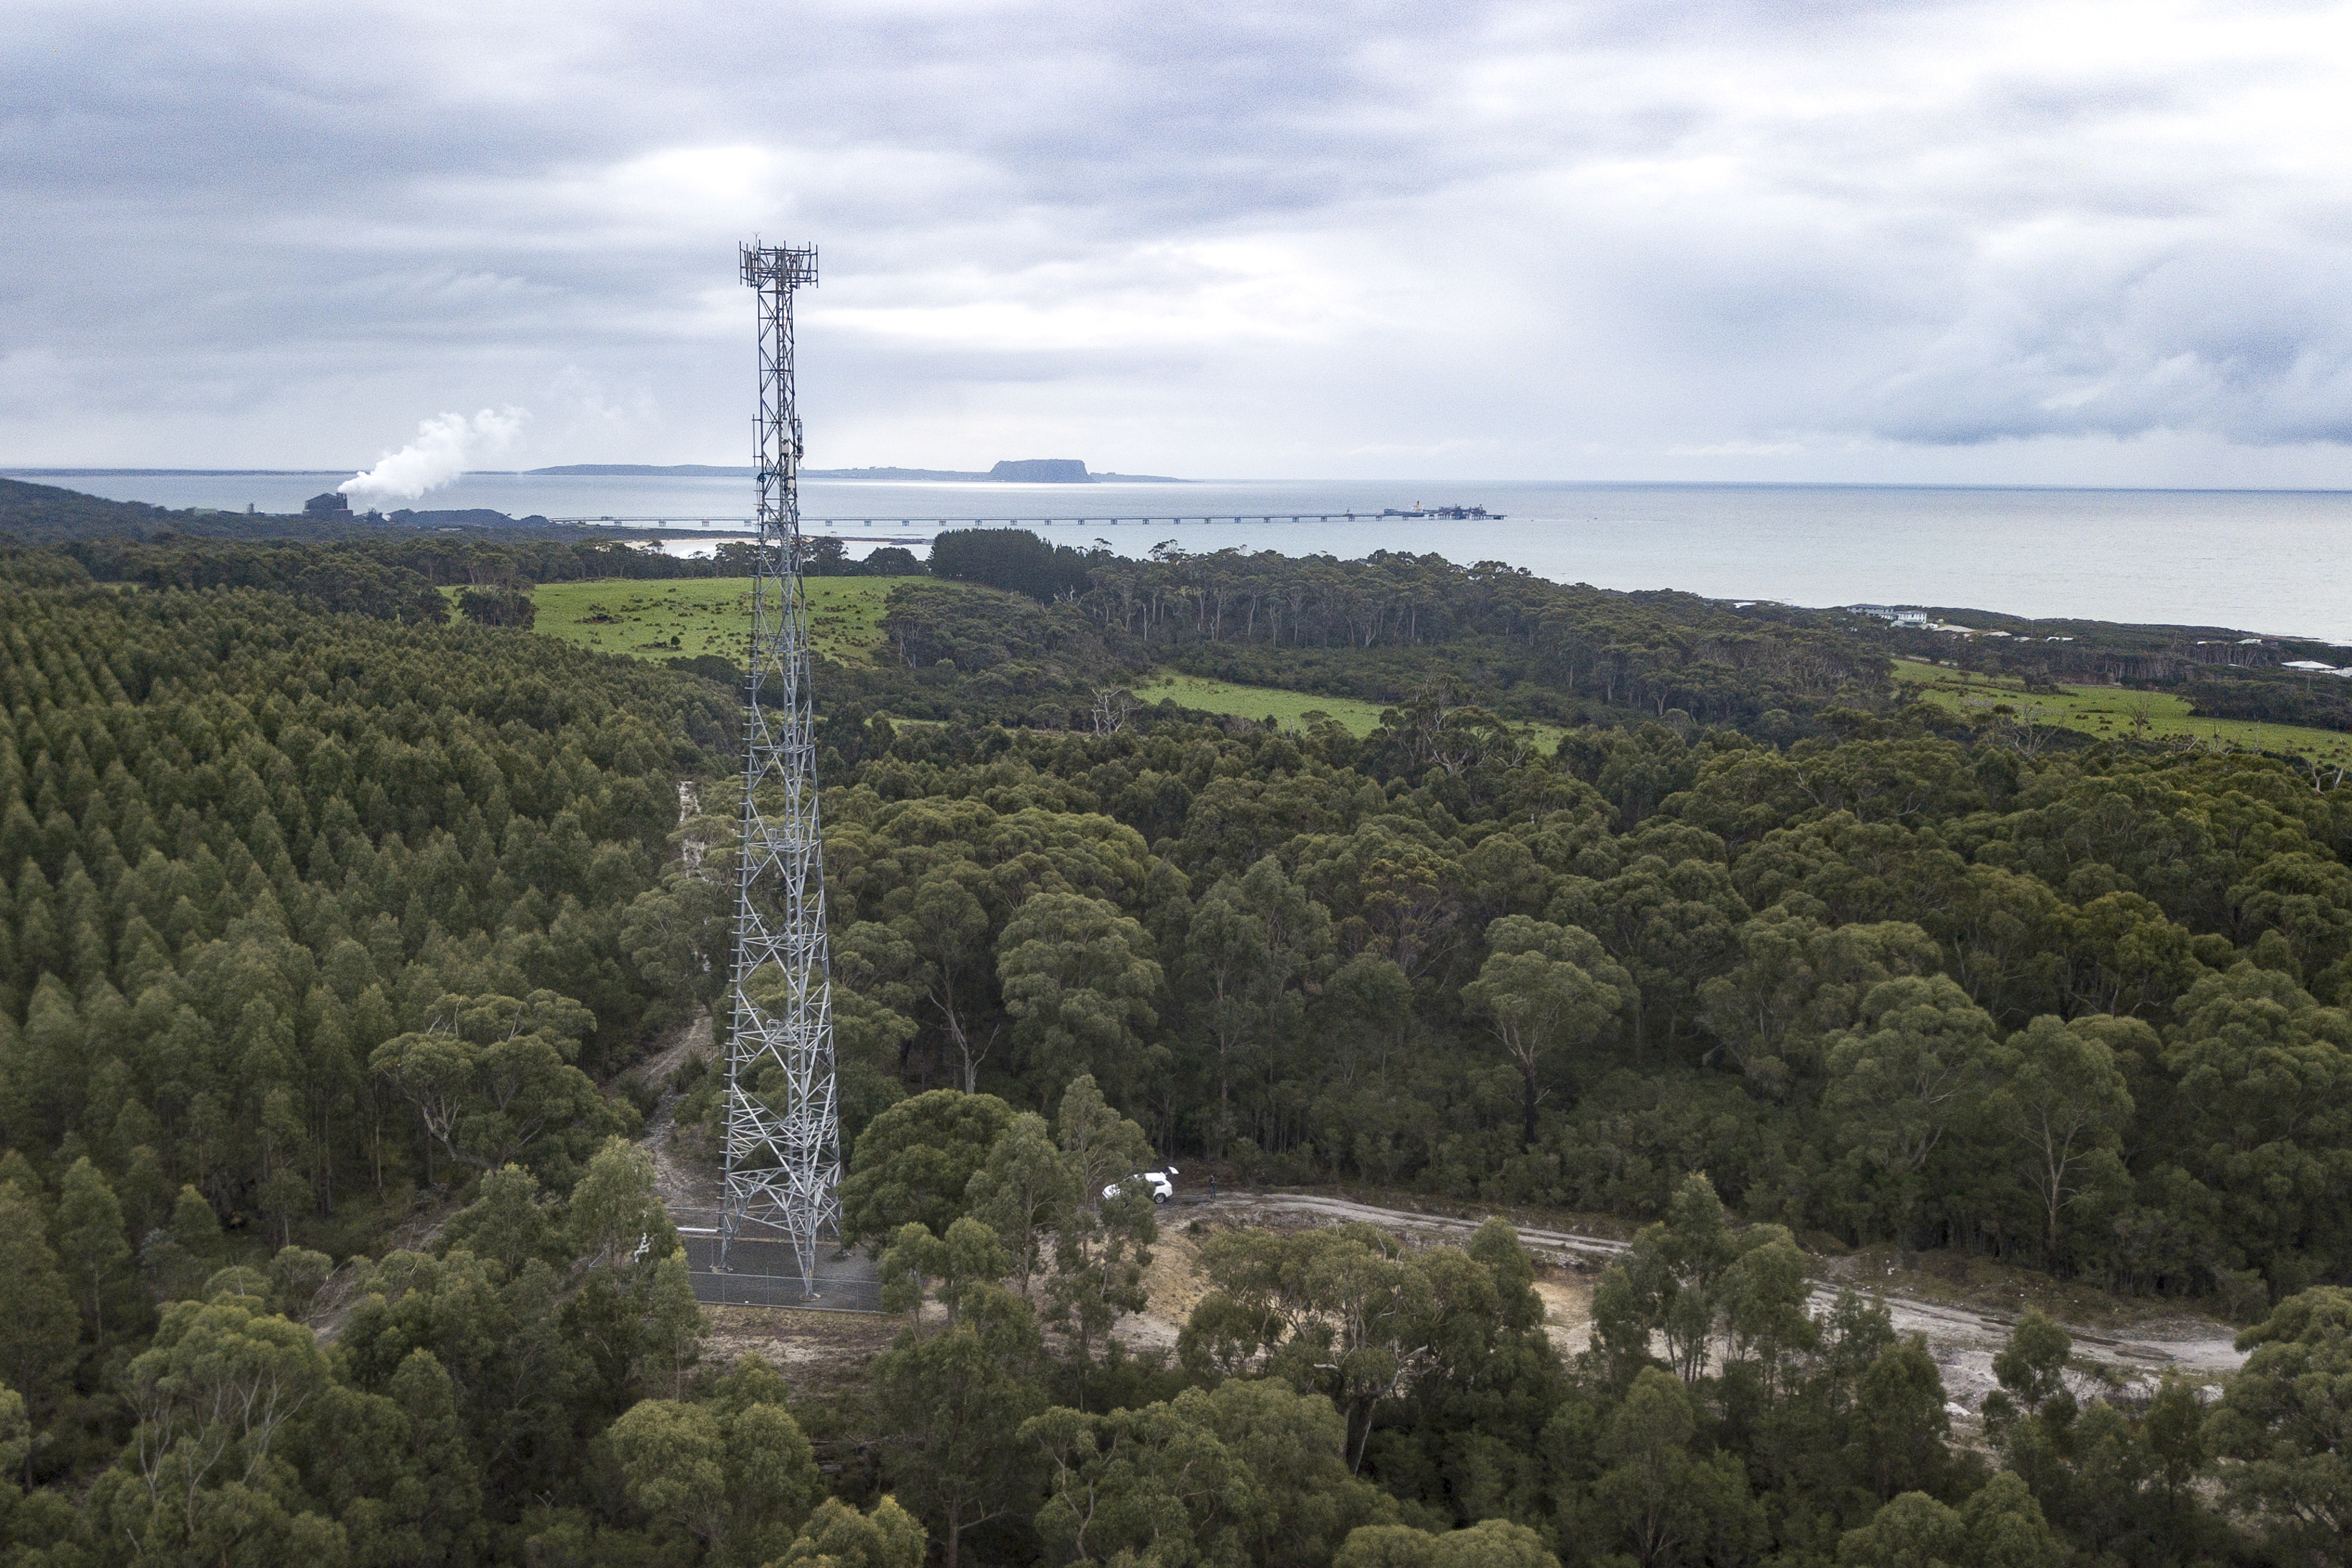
(1585,233)
(2250,344)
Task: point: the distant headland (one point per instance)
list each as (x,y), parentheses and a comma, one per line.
(1018,471)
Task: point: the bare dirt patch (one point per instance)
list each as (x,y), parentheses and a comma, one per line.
(1170,1288)
(815,1353)
(1568,1309)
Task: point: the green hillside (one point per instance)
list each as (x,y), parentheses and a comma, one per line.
(2114,713)
(687,618)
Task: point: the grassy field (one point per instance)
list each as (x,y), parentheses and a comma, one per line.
(1209,695)
(2114,711)
(1356,716)
(683,617)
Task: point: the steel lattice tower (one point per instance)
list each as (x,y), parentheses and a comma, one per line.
(783,1129)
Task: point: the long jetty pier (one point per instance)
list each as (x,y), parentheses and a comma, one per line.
(706,524)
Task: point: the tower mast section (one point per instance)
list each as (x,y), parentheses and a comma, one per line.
(784,1127)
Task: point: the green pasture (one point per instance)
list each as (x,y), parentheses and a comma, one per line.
(679,618)
(2116,713)
(1353,715)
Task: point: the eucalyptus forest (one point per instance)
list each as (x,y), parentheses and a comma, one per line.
(343,917)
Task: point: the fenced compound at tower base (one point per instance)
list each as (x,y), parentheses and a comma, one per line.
(764,1269)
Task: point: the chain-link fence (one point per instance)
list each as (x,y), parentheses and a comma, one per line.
(765,1273)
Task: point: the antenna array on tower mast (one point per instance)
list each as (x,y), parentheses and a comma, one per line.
(783,1128)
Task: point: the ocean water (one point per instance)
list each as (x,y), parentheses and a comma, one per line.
(2276,563)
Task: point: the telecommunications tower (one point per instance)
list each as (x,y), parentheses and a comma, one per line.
(783,1130)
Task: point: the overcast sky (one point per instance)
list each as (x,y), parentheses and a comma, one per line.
(2040,242)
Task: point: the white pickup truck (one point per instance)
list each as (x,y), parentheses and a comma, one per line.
(1162,1183)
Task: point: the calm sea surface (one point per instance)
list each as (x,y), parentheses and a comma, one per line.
(2276,563)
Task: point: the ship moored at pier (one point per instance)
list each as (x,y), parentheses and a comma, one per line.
(1456,514)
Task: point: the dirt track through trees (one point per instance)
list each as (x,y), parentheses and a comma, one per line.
(1963,1340)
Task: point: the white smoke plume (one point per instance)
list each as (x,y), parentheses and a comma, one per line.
(445,445)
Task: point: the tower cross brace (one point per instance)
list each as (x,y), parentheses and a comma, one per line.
(784,1127)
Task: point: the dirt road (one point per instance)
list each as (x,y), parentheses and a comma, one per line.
(687,1185)
(1963,1340)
